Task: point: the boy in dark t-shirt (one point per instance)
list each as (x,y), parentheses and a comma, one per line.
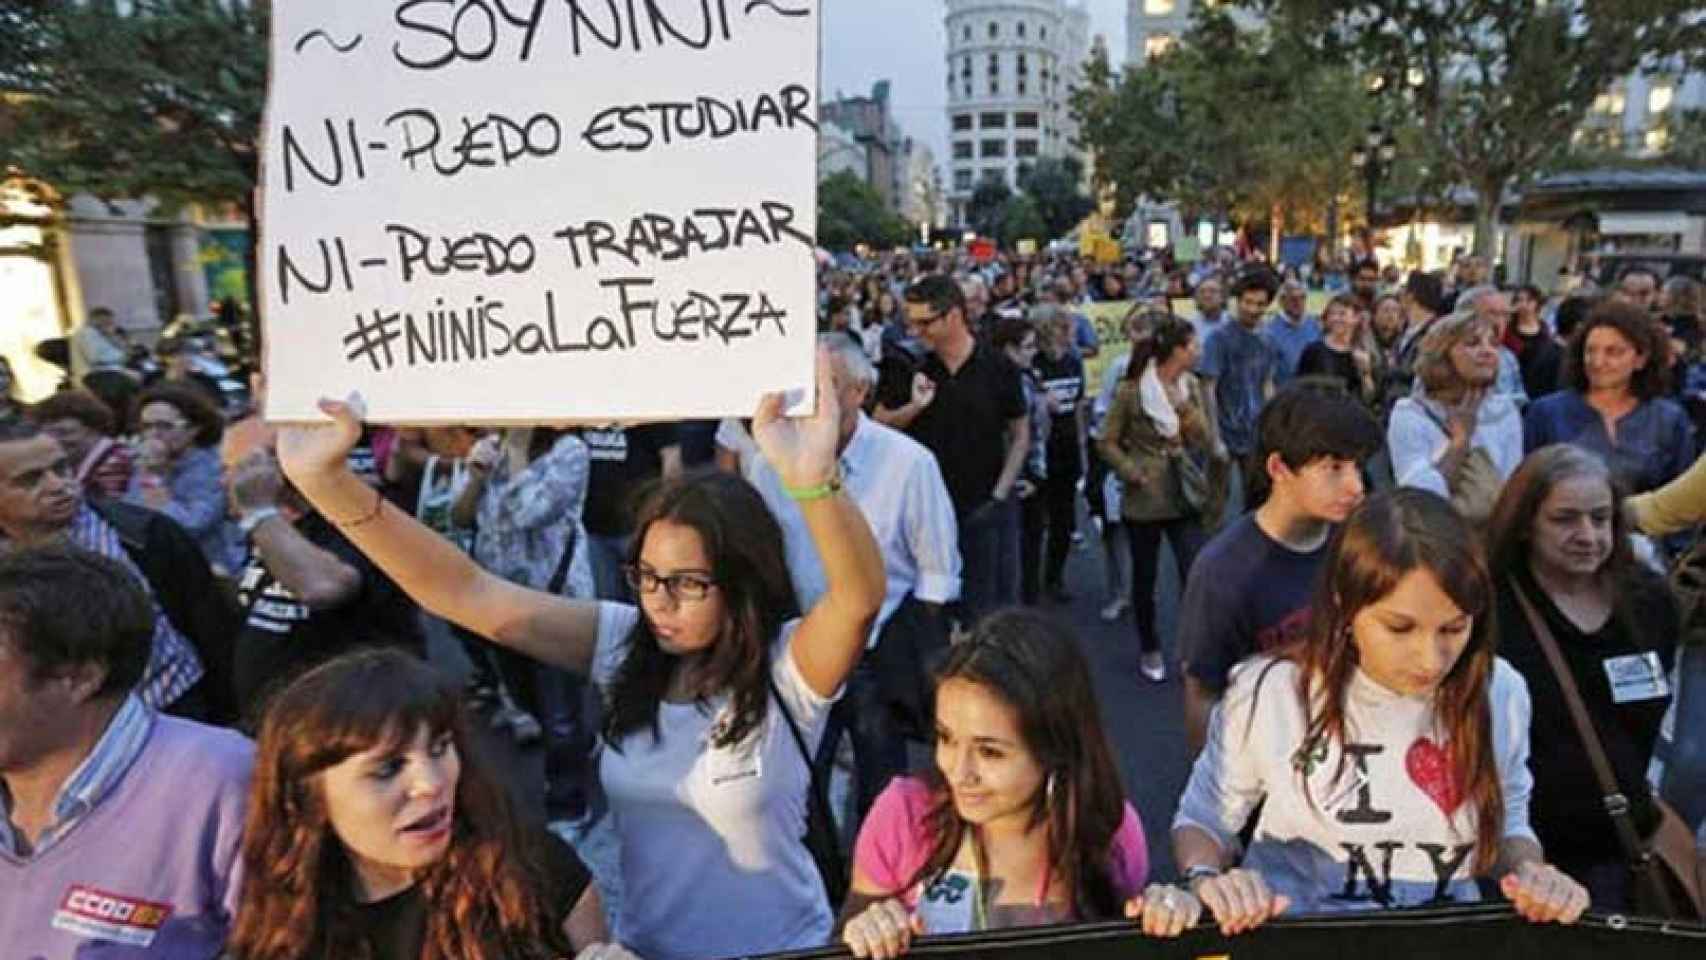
(1250,588)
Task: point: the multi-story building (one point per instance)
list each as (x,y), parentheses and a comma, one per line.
(1636,113)
(1152,27)
(872,124)
(921,197)
(1010,68)
(839,150)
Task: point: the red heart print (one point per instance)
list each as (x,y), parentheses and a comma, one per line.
(1429,766)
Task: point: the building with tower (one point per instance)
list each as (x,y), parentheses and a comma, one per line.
(1010,69)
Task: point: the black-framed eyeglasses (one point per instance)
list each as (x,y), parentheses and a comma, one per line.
(920,323)
(681,587)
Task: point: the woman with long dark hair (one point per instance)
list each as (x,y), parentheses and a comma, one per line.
(375,831)
(707,785)
(1387,751)
(1157,434)
(1560,540)
(1020,821)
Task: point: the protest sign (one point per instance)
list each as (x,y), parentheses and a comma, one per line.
(486,212)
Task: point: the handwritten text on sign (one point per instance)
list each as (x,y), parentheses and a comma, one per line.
(488,210)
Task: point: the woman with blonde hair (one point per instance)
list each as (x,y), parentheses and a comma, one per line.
(1455,435)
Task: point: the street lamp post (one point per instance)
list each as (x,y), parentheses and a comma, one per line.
(1375,157)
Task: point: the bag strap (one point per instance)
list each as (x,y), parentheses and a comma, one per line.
(816,793)
(561,574)
(800,741)
(1616,803)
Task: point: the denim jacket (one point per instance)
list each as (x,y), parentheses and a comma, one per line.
(1655,441)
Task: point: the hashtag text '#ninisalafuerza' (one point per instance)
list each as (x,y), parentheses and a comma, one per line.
(488,330)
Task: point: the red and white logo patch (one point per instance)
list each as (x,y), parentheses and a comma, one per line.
(98,915)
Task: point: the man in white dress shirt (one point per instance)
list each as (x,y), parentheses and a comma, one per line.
(898,486)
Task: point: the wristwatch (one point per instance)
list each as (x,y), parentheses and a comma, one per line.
(254,518)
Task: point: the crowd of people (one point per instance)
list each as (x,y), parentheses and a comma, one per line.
(1409,533)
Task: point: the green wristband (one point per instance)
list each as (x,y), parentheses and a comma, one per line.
(822,491)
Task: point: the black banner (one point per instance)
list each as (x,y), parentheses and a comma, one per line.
(1470,933)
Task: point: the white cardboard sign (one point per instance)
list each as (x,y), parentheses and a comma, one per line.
(538,210)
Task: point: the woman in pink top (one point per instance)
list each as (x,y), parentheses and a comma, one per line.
(1021,822)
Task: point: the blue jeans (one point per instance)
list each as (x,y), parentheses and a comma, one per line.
(989,559)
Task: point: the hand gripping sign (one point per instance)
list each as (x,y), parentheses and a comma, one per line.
(478,211)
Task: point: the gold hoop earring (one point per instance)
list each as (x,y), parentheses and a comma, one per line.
(1048,792)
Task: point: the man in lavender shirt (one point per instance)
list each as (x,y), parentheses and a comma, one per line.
(120,829)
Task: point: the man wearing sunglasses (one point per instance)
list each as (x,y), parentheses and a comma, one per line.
(968,408)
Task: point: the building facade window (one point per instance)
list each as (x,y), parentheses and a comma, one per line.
(1026,120)
(1024,148)
(993,148)
(1611,103)
(962,121)
(1021,31)
(1658,138)
(1157,44)
(1660,97)
(1159,8)
(992,121)
(962,179)
(994,30)
(962,149)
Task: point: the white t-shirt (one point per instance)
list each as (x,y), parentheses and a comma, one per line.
(1392,831)
(713,864)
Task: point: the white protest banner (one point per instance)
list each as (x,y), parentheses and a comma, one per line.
(538,210)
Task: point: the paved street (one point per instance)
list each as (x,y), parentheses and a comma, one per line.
(1143,718)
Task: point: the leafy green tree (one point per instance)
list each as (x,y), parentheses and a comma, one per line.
(1131,122)
(1687,139)
(1021,219)
(161,101)
(1503,84)
(1056,187)
(988,206)
(1232,122)
(850,211)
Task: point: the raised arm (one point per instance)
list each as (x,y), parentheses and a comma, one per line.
(431,570)
(803,452)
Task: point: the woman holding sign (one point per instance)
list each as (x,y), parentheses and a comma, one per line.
(1569,580)
(702,681)
(1387,752)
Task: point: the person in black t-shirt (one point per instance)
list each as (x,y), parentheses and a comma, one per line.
(1537,350)
(967,406)
(1338,355)
(1061,371)
(1559,537)
(624,461)
(371,801)
(305,592)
